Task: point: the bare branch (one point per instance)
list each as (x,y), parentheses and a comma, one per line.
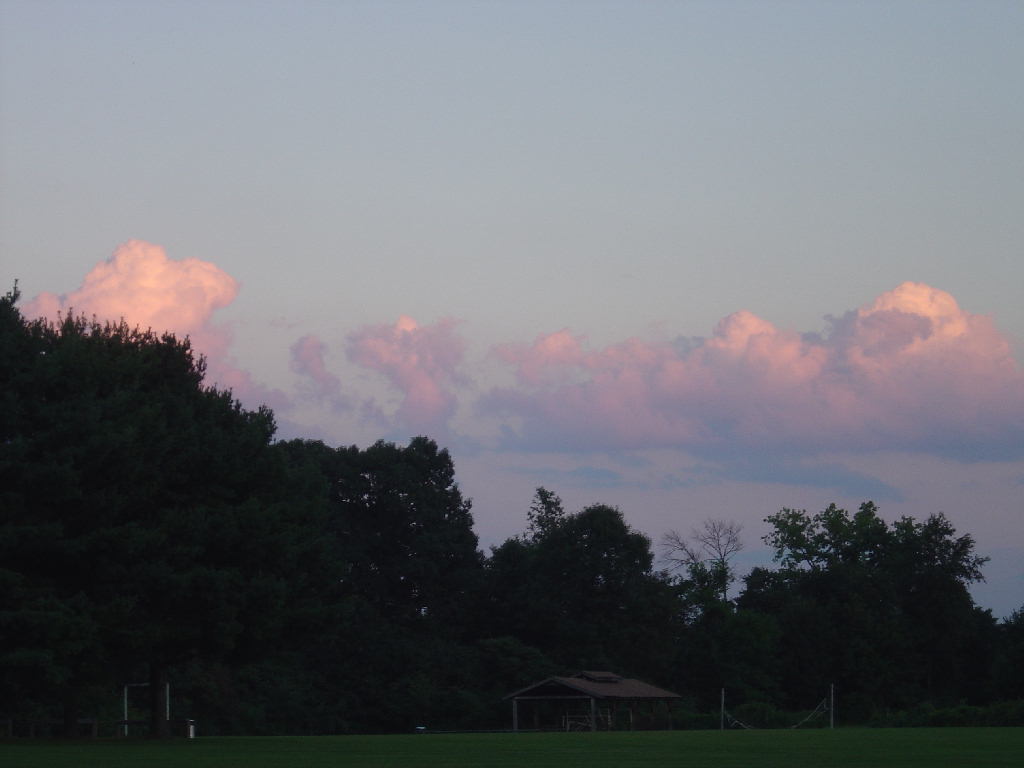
(720,539)
(714,543)
(679,551)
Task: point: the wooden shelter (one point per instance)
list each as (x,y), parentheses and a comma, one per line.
(587,701)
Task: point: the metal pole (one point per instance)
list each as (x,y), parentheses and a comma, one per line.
(721,717)
(137,685)
(832,706)
(515,714)
(167,699)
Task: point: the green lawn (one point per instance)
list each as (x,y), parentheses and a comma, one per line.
(841,748)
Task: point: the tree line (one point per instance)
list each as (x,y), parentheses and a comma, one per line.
(153,530)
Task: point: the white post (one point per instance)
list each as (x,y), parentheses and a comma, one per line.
(167,699)
(832,706)
(125,726)
(721,716)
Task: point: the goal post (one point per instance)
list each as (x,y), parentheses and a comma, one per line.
(167,703)
(827,704)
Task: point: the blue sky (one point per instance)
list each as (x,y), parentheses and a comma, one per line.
(643,253)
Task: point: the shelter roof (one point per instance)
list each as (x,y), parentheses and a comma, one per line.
(591,684)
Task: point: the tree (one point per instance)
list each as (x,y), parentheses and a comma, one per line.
(882,610)
(130,504)
(408,528)
(546,513)
(1009,663)
(830,538)
(581,589)
(403,541)
(706,554)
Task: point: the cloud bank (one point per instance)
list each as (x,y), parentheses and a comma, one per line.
(910,371)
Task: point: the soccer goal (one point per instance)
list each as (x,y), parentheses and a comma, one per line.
(126,721)
(826,706)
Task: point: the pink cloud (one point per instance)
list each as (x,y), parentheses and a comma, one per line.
(307,359)
(909,370)
(420,361)
(547,355)
(141,285)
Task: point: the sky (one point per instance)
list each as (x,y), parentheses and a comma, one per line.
(693,259)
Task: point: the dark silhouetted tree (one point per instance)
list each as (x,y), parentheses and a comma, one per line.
(706,554)
(581,589)
(881,610)
(132,526)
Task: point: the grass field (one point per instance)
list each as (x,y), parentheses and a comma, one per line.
(841,748)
